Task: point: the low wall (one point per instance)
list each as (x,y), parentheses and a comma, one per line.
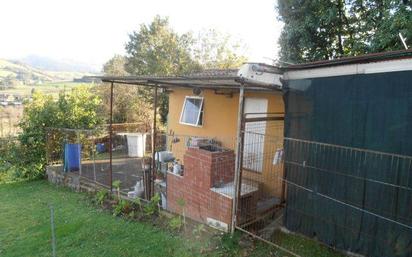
(56,176)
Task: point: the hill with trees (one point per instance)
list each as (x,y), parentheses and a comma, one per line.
(13,73)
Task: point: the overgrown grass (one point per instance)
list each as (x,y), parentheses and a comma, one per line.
(84,229)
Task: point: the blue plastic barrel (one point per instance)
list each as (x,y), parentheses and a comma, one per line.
(72,157)
(100,148)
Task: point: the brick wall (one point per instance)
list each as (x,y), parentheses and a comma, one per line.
(202,170)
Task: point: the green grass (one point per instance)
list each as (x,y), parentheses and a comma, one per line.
(81,229)
(84,230)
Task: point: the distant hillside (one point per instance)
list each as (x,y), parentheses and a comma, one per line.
(17,72)
(50,64)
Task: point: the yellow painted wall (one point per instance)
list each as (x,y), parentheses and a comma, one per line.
(220,122)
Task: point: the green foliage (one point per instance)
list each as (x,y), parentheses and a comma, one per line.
(156,49)
(77,109)
(182,203)
(116,184)
(77,221)
(122,207)
(101,196)
(216,50)
(176,223)
(319,30)
(24,214)
(152,206)
(230,243)
(138,203)
(115,66)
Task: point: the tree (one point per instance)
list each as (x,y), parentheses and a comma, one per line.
(217,50)
(324,29)
(116,66)
(77,110)
(157,49)
(129,104)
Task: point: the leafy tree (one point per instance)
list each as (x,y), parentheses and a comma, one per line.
(324,29)
(156,49)
(116,66)
(128,104)
(217,50)
(77,109)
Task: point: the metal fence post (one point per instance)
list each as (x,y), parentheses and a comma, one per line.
(80,152)
(111,139)
(53,242)
(238,164)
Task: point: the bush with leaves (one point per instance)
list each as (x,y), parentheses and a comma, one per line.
(116,184)
(152,207)
(78,109)
(176,223)
(101,196)
(122,207)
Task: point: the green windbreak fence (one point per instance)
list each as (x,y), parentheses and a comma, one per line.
(348,161)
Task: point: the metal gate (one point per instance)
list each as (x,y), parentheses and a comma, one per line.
(261,193)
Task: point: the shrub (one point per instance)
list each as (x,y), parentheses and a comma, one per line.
(153,206)
(101,196)
(176,223)
(116,184)
(27,158)
(122,207)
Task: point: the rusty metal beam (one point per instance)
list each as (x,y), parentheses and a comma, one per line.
(111,138)
(154,131)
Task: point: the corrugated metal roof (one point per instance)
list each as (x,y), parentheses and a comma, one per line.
(206,79)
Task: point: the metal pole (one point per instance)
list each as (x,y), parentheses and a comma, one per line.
(94,158)
(110,138)
(153,143)
(238,164)
(80,159)
(52,231)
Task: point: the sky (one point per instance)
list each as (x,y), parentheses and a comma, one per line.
(92,31)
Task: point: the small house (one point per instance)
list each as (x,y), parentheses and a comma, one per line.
(220,122)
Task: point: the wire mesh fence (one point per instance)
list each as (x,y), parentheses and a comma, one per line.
(261,194)
(193,175)
(86,153)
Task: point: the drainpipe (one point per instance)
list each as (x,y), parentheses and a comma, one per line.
(238,164)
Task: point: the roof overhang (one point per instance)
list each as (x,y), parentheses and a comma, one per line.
(229,79)
(365,64)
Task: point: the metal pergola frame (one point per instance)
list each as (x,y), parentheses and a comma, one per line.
(228,81)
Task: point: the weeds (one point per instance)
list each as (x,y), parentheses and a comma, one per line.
(153,206)
(101,196)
